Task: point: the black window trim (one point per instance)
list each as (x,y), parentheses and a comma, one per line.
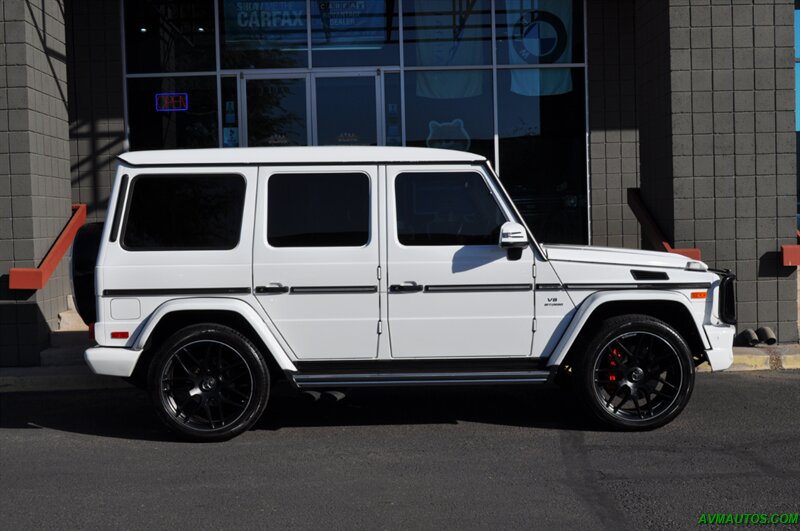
(121,197)
(484,177)
(132,188)
(319,170)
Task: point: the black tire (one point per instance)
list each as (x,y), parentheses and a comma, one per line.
(636,373)
(208,382)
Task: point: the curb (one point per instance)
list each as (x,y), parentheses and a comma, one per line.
(81,378)
(65,378)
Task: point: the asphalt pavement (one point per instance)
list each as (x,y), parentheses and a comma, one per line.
(485,458)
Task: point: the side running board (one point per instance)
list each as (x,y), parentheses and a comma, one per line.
(309,381)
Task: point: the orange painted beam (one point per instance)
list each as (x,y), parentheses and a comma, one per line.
(791,255)
(37,277)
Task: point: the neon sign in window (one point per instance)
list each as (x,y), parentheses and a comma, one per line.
(172,101)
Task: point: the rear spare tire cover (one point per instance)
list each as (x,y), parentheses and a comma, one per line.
(84,258)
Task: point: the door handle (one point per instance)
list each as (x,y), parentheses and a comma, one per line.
(272,289)
(405,288)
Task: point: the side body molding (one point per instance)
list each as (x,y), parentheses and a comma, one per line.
(595,300)
(237,306)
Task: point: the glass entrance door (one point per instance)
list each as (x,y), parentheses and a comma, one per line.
(346,110)
(320,109)
(277,112)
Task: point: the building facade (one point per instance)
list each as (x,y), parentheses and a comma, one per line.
(582,106)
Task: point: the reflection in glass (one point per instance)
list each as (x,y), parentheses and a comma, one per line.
(347,33)
(393,110)
(443,114)
(169,35)
(531,32)
(154,124)
(346,112)
(265,34)
(447,32)
(230,113)
(276,112)
(543,155)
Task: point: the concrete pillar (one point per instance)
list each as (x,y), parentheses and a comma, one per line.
(35,193)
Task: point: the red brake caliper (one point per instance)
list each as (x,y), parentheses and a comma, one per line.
(612,360)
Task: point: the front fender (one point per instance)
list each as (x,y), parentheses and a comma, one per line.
(237,306)
(595,300)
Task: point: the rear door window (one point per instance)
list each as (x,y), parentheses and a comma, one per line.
(318,210)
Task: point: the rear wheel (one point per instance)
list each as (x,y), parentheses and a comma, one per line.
(208,383)
(637,373)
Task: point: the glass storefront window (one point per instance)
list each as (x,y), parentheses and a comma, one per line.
(362,33)
(541,121)
(450,109)
(172,112)
(276,112)
(265,34)
(330,73)
(447,32)
(169,36)
(531,32)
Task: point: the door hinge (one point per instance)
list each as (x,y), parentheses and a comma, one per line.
(533,269)
(379,272)
(534,324)
(380,327)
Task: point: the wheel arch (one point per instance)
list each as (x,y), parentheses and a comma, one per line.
(670,307)
(234,313)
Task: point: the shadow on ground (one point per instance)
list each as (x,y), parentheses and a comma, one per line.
(127,414)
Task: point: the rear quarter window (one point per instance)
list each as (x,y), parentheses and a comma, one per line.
(169,212)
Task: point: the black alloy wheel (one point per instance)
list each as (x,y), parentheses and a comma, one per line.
(208,383)
(637,373)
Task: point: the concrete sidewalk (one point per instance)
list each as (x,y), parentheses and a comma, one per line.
(79,377)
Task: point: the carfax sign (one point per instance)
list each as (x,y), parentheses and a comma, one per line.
(272,23)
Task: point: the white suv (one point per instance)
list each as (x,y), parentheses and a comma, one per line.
(220,271)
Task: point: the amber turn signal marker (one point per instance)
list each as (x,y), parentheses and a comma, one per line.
(119,335)
(699,294)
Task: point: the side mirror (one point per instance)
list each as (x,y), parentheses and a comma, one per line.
(513,236)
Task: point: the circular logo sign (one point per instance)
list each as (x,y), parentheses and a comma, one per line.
(539,37)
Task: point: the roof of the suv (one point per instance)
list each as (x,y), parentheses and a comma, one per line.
(295,155)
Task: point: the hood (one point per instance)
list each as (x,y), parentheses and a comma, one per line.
(615,256)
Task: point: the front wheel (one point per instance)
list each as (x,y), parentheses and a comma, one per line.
(208,383)
(636,373)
